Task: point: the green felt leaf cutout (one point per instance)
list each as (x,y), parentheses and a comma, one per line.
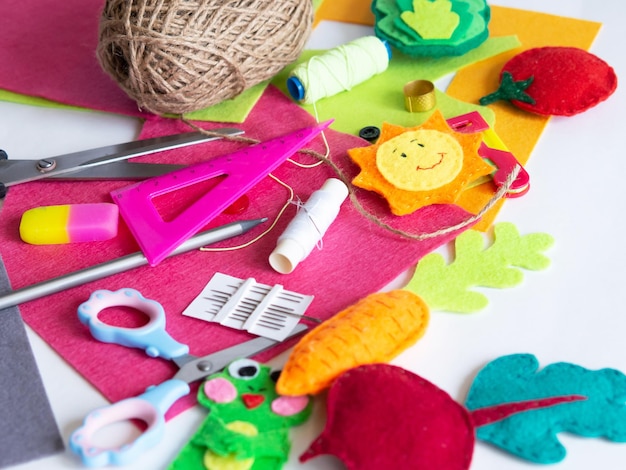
(447,286)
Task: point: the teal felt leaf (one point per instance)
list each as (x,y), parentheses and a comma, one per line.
(599,410)
(448,286)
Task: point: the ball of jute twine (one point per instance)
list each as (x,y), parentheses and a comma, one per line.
(179,56)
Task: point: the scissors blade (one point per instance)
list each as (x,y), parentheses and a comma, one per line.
(14,172)
(119,171)
(197,368)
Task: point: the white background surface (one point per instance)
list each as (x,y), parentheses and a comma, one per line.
(573,311)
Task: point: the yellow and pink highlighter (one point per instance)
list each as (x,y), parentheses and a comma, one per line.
(69,223)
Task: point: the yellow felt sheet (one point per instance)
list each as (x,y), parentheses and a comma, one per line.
(519,130)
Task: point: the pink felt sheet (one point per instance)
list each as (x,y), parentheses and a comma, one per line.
(357,258)
(48,51)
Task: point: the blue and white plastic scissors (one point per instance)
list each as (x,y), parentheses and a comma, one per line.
(151,406)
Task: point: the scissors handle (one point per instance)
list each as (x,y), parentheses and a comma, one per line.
(149,407)
(150,337)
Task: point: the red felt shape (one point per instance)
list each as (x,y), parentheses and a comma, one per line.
(382,416)
(334,275)
(561,81)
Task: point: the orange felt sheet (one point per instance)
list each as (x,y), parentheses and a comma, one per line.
(347,11)
(518,129)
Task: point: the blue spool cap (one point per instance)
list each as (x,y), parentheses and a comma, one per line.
(295,88)
(388,47)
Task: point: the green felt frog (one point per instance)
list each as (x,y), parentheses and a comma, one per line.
(248,423)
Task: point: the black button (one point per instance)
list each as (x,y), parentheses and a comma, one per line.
(369,133)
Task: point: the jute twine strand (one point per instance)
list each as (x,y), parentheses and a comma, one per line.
(179,56)
(499,194)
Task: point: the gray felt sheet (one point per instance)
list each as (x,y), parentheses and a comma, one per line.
(28,430)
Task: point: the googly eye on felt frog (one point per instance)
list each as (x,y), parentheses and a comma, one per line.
(248,422)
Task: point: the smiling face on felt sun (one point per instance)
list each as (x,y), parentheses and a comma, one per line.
(419,166)
(420,160)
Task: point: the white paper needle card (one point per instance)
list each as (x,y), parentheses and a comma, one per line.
(263,310)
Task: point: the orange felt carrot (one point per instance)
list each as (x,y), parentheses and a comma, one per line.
(375,329)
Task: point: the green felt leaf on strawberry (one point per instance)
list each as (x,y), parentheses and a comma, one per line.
(554,81)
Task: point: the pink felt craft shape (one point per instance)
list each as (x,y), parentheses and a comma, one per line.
(220,390)
(287,406)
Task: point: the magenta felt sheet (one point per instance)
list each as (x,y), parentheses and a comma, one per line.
(357,258)
(47,50)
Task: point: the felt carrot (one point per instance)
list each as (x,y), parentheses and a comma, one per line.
(559,81)
(382,325)
(375,329)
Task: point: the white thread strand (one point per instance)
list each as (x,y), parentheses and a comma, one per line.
(341,68)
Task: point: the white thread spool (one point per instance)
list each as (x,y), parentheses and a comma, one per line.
(308,226)
(338,69)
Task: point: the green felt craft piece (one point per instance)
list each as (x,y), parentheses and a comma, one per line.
(596,408)
(18,98)
(510,89)
(380,99)
(248,422)
(431,19)
(471,31)
(235,110)
(447,286)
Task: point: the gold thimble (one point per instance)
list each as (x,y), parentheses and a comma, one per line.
(419,96)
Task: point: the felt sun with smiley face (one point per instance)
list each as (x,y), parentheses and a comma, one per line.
(419,166)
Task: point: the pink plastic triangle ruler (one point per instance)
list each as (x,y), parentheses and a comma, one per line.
(238,172)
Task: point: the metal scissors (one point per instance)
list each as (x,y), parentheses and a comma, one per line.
(149,407)
(103,162)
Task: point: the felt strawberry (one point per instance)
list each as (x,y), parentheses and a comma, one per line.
(560,81)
